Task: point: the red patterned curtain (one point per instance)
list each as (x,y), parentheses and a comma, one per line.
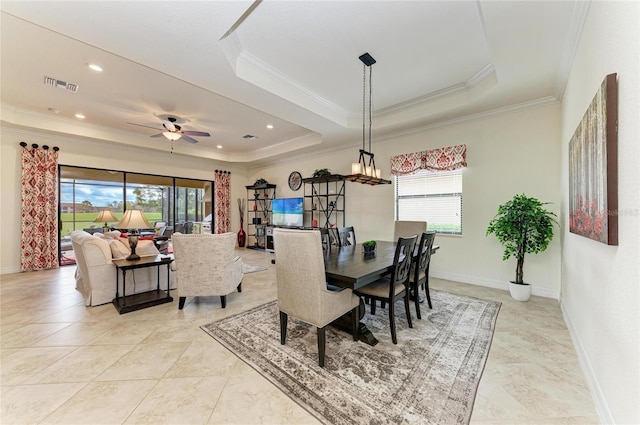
(442,159)
(39,249)
(222,201)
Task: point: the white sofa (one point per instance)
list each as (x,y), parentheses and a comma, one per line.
(96,273)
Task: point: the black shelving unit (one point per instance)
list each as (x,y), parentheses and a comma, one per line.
(259,212)
(324,201)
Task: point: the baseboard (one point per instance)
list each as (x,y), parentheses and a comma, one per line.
(495,284)
(599,400)
(9,270)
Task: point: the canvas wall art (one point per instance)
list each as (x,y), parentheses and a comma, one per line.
(593,168)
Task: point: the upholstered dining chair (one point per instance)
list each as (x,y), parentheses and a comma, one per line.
(346,236)
(206,265)
(302,286)
(404,229)
(420,269)
(391,288)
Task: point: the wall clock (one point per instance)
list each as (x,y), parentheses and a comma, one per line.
(295,180)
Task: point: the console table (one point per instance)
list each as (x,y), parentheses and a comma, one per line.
(133,302)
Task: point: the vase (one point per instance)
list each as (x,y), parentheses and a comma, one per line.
(242,236)
(520,291)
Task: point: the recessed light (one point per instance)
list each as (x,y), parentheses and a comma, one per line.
(219,146)
(95,67)
(80,116)
(269,126)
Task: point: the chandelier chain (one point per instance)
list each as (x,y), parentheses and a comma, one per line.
(364,109)
(370,112)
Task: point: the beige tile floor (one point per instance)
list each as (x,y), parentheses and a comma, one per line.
(64,363)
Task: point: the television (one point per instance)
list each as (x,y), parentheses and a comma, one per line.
(288,212)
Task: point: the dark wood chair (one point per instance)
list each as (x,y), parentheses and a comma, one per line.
(346,236)
(326,239)
(420,270)
(396,285)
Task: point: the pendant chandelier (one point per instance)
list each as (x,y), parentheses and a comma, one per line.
(364,171)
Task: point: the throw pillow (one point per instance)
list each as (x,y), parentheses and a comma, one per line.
(119,249)
(114,234)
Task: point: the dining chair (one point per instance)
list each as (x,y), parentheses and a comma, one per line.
(346,236)
(404,229)
(326,239)
(420,270)
(391,288)
(302,286)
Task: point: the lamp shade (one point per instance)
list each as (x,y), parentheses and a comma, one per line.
(133,219)
(105,216)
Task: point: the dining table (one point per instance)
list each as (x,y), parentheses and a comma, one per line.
(349,267)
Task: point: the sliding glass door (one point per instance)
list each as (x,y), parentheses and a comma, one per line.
(86,192)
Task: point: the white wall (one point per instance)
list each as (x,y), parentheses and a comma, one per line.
(600,295)
(507,153)
(87,153)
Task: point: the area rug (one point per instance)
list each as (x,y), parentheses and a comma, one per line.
(248,268)
(429,377)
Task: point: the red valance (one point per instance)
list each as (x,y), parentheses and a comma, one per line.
(442,159)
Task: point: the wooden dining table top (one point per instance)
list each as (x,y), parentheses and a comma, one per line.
(348,267)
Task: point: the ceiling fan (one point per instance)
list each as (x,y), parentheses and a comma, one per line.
(173,131)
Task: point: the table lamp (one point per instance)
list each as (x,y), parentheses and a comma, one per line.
(106,216)
(132,220)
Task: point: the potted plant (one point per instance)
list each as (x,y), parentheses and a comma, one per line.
(369,247)
(321,172)
(260,183)
(523,226)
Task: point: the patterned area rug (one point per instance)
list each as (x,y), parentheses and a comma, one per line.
(430,377)
(248,268)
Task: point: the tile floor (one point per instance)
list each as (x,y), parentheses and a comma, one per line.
(64,363)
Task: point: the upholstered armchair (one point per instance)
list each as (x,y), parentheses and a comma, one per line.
(206,265)
(302,286)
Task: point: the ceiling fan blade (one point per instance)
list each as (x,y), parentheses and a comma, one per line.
(196,133)
(169,125)
(189,139)
(157,135)
(142,125)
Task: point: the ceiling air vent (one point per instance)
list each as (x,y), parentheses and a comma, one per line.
(249,137)
(53,82)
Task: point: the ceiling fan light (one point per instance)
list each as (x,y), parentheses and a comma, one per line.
(171,136)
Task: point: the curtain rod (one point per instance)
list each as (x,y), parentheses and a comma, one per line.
(35,146)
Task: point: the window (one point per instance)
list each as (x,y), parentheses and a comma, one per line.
(432,197)
(84,192)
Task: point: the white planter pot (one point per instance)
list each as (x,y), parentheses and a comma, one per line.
(520,291)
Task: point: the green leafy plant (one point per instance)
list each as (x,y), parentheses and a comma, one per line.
(523,226)
(369,246)
(321,172)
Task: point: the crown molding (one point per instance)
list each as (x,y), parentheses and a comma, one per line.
(576,26)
